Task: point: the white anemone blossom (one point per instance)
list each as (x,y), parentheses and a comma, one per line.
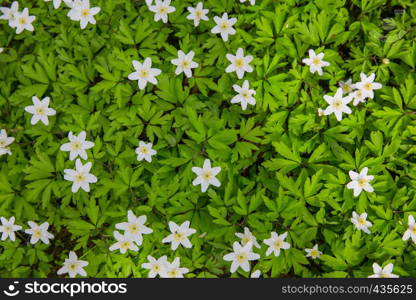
(360,181)
(315,62)
(73,266)
(162,8)
(179,235)
(81,176)
(197,14)
(184,63)
(239,63)
(40,110)
(241,257)
(244,96)
(206,176)
(224,26)
(338,104)
(144,73)
(82,12)
(77,145)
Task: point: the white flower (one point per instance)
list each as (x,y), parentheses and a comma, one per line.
(411,230)
(22,21)
(179,235)
(5,141)
(245,95)
(241,257)
(39,232)
(57,3)
(1,50)
(367,85)
(313,252)
(124,242)
(206,175)
(347,86)
(197,14)
(135,227)
(9,13)
(379,272)
(360,222)
(337,104)
(73,266)
(252,2)
(184,63)
(239,63)
(145,151)
(321,112)
(77,145)
(155,267)
(81,176)
(360,182)
(255,274)
(82,12)
(315,62)
(247,237)
(144,73)
(358,97)
(40,110)
(173,269)
(275,243)
(7,228)
(161,9)
(224,26)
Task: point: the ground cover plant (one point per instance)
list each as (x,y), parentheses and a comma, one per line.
(207,138)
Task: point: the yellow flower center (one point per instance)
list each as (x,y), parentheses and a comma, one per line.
(207,175)
(316,61)
(2,143)
(278,244)
(80,177)
(156,268)
(246,95)
(414,229)
(362,182)
(125,245)
(40,111)
(134,229)
(362,221)
(185,64)
(347,88)
(314,253)
(337,104)
(76,145)
(245,240)
(8,229)
(144,150)
(368,87)
(144,73)
(72,267)
(178,237)
(163,10)
(22,20)
(85,12)
(37,233)
(173,273)
(199,14)
(225,25)
(239,63)
(242,257)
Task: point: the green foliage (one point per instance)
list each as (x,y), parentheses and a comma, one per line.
(284,168)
